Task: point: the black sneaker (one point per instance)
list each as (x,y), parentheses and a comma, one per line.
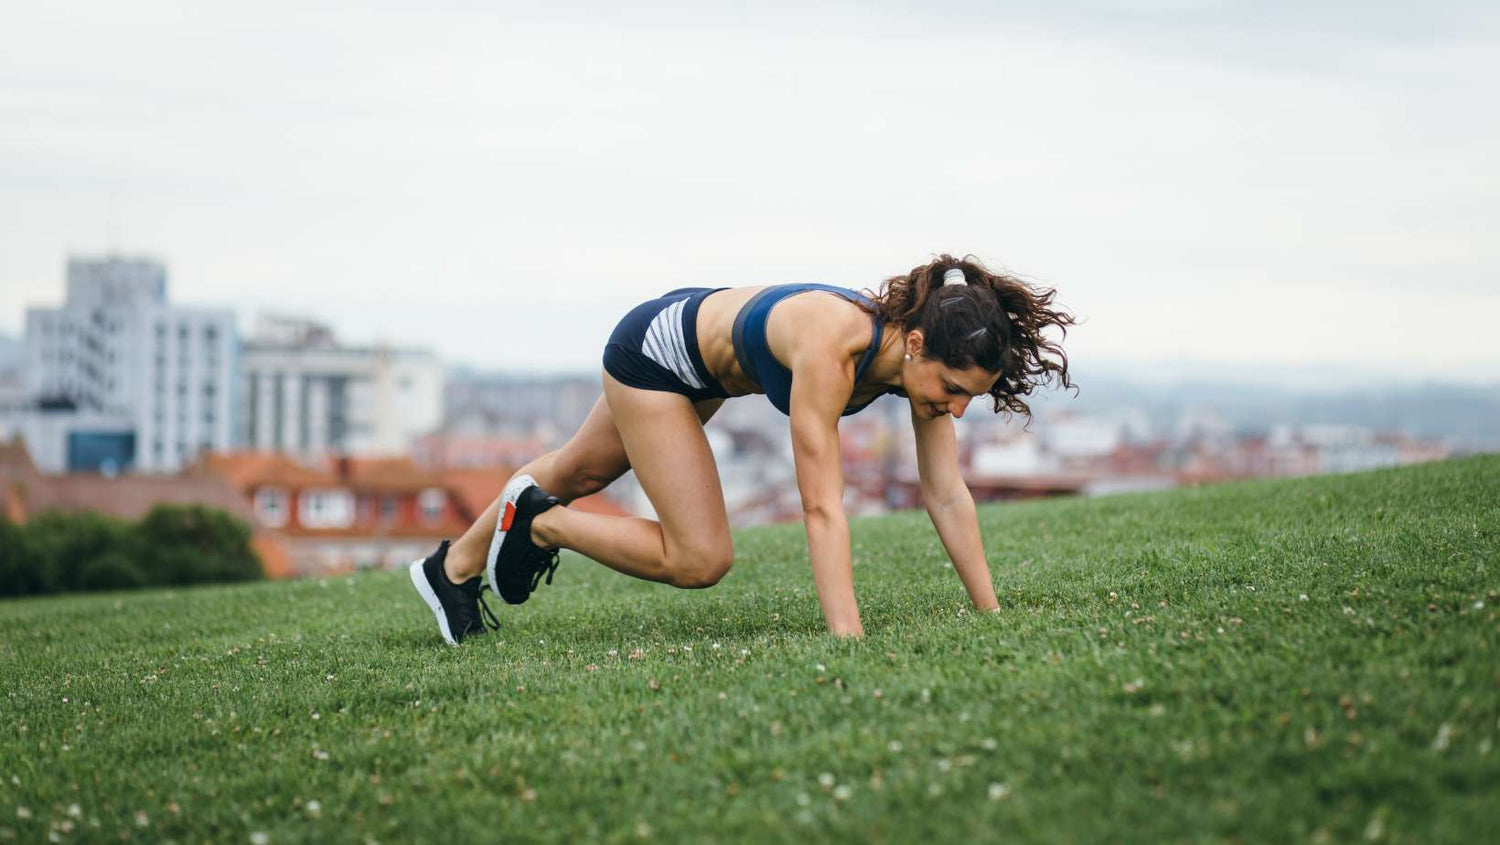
(458,607)
(515,564)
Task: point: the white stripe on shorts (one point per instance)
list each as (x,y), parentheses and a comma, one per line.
(664,343)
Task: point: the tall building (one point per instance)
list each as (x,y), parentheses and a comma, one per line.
(306,395)
(118,379)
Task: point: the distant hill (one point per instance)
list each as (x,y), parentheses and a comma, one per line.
(1459,411)
(1250,399)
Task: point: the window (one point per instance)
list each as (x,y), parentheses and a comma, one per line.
(325,508)
(389,508)
(431,503)
(270,506)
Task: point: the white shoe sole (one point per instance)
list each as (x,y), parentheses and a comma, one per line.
(424,589)
(508,498)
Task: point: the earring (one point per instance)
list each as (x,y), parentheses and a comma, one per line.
(908,356)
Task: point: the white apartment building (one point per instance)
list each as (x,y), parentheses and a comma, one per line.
(306,395)
(116,379)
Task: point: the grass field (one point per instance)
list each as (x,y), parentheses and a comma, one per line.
(1271,661)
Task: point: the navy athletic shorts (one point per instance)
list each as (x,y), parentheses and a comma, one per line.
(655,347)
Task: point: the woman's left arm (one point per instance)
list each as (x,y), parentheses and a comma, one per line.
(951,507)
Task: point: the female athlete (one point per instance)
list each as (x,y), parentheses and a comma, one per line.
(938,336)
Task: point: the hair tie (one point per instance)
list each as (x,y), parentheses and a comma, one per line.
(954,276)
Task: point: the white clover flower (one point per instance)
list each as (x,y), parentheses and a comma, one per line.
(260,837)
(1440,742)
(999,791)
(825,780)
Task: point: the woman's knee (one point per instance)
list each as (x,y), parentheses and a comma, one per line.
(703,567)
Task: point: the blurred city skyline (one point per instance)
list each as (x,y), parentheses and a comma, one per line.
(1259,187)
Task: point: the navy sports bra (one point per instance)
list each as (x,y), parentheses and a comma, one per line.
(754,354)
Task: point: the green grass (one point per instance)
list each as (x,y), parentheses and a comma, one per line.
(1309,659)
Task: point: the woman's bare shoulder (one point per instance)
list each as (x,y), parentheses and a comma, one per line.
(828,321)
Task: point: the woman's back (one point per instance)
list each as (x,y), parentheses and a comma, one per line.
(777,317)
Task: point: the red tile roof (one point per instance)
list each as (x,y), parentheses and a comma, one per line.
(132,496)
(248,470)
(25,492)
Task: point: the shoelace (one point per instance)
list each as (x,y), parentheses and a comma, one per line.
(546,562)
(487,616)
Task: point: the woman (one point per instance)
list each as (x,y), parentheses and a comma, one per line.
(938,336)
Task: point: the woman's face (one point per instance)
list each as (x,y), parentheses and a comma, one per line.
(935,389)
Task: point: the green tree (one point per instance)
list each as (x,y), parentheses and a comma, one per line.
(20,565)
(189,544)
(62,543)
(111,571)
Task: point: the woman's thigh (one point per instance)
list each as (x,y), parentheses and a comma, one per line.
(595,456)
(662,435)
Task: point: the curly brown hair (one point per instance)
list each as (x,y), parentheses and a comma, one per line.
(995,321)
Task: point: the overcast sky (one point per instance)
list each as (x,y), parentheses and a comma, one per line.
(1289,184)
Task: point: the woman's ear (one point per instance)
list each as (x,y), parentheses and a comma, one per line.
(914,342)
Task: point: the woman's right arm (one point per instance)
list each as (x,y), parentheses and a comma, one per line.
(821,386)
